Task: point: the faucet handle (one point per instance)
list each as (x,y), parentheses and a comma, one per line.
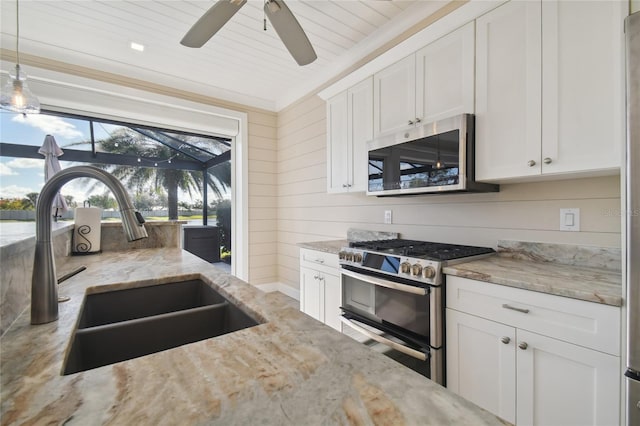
(139,217)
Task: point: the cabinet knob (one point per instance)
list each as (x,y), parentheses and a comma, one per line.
(418,120)
(316,277)
(531,163)
(344,185)
(547,160)
(411,122)
(523,345)
(505,340)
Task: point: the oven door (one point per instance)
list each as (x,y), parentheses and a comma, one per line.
(403,317)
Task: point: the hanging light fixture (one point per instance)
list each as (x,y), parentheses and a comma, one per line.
(16,95)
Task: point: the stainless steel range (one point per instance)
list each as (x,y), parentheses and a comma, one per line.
(392,293)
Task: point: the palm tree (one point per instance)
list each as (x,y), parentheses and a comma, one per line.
(126,141)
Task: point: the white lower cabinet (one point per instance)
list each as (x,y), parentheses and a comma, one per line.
(522,376)
(320,289)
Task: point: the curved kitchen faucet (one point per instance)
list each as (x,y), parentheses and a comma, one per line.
(44,289)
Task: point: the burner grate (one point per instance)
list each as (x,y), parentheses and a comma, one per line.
(422,249)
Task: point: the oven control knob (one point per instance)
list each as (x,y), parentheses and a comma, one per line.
(349,257)
(428,272)
(405,267)
(416,269)
(342,255)
(357,257)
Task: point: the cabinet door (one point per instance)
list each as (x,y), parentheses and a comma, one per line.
(481,362)
(564,384)
(311,293)
(337,144)
(508,91)
(394,96)
(360,123)
(445,76)
(332,301)
(582,60)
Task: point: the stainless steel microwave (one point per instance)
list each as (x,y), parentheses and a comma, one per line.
(433,158)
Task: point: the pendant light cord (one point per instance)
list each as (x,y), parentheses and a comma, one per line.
(17,33)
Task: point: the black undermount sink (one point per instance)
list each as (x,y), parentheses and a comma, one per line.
(124,324)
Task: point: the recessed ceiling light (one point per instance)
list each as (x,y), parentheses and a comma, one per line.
(137,46)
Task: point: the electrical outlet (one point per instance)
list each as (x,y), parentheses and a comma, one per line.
(388,218)
(570,220)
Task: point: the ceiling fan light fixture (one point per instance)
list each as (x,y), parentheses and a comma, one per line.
(16,95)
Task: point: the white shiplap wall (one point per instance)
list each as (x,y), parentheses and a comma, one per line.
(520,211)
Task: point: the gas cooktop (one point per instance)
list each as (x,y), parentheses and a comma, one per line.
(421,249)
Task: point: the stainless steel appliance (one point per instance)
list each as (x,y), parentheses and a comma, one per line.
(632,29)
(433,158)
(392,293)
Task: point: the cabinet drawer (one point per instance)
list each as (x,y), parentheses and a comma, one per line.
(588,324)
(319,259)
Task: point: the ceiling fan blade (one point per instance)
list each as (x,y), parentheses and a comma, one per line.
(211,22)
(290,32)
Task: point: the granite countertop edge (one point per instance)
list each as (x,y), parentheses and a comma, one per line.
(291,369)
(576,282)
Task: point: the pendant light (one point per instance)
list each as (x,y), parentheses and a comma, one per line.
(16,95)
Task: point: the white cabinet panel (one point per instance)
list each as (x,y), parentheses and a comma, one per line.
(360,124)
(349,127)
(582,91)
(337,143)
(394,96)
(481,362)
(445,76)
(320,287)
(560,384)
(508,91)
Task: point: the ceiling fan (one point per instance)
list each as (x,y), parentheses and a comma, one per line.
(283,21)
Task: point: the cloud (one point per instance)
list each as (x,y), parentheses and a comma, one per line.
(6,170)
(49,124)
(15,191)
(26,163)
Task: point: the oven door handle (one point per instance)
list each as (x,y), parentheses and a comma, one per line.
(384,283)
(397,346)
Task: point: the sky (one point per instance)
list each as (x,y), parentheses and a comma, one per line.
(20,176)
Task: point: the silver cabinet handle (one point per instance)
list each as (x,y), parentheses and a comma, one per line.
(411,122)
(505,340)
(523,346)
(316,277)
(531,163)
(418,120)
(547,160)
(320,260)
(513,308)
(344,185)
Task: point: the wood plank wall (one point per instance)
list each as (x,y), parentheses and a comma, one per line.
(521,211)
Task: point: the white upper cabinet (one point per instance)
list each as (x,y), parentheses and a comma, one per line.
(445,76)
(508,91)
(394,96)
(583,85)
(435,82)
(349,127)
(549,88)
(337,136)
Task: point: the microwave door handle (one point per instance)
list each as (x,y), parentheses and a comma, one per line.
(384,283)
(397,346)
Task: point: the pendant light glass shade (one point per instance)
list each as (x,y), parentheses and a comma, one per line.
(16,95)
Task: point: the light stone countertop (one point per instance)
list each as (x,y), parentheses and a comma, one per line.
(290,370)
(330,246)
(578,282)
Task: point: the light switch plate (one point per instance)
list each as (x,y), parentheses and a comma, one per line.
(570,220)
(388,218)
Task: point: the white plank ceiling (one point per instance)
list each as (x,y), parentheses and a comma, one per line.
(241,63)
